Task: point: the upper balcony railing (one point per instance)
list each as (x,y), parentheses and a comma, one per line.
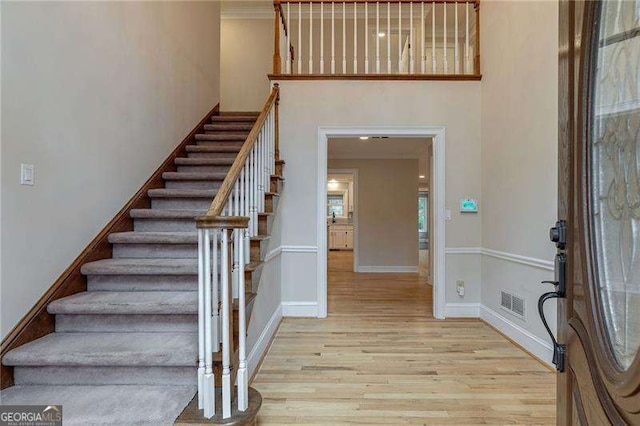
(364,39)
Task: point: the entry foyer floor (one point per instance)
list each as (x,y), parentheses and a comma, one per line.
(380,358)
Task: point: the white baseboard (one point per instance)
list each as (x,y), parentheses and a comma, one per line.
(300,309)
(532,343)
(388,269)
(462,310)
(262,344)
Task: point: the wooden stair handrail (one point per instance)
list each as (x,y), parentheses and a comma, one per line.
(213,218)
(373,1)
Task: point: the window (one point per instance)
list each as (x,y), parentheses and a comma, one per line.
(422,212)
(335,204)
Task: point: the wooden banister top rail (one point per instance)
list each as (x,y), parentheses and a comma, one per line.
(213,218)
(277,2)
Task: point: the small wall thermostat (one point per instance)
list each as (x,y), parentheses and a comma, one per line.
(468,205)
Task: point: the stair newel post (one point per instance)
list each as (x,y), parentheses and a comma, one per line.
(201,319)
(277,122)
(226,326)
(215,292)
(208,379)
(277,63)
(243,379)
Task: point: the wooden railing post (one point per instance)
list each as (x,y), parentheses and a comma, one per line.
(277,124)
(476,63)
(277,62)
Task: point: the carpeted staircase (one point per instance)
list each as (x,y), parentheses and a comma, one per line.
(125,351)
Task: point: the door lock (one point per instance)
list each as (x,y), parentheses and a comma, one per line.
(558,234)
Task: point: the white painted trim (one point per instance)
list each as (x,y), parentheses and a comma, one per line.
(299,249)
(299,309)
(243,12)
(262,344)
(356,245)
(273,254)
(463,250)
(437,133)
(510,257)
(390,269)
(524,260)
(462,310)
(538,347)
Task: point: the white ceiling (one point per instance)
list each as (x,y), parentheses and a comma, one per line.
(389,148)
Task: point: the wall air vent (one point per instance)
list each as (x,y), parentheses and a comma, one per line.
(512,304)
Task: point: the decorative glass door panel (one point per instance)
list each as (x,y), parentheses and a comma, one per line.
(615,174)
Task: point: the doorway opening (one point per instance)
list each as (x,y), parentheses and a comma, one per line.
(382,201)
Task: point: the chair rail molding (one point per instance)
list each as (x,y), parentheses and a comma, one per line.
(502,255)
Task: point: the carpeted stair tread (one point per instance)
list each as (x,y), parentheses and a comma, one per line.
(228,127)
(153,238)
(107,349)
(142,405)
(137,266)
(234,118)
(127,303)
(165,214)
(141,267)
(182,193)
(221,137)
(240,113)
(213,148)
(186,161)
(193,176)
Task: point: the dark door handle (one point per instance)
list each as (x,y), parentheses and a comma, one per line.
(560,292)
(558,349)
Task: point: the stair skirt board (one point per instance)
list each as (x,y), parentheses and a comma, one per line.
(125,345)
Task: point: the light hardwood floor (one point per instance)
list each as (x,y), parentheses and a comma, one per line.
(379,358)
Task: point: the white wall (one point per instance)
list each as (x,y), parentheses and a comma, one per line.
(304,107)
(387,212)
(246,59)
(519,150)
(95,95)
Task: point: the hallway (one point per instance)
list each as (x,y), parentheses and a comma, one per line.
(379,358)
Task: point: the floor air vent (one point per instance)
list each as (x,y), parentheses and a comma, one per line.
(512,303)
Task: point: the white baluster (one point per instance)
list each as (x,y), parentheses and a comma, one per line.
(209,379)
(445,60)
(299,38)
(310,38)
(433,39)
(456,53)
(355,38)
(245,211)
(321,37)
(243,378)
(377,37)
(226,330)
(423,60)
(466,39)
(388,37)
(366,38)
(288,47)
(215,296)
(411,47)
(201,319)
(236,247)
(344,38)
(399,38)
(333,38)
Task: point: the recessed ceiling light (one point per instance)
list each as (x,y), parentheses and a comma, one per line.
(364,138)
(421,176)
(382,34)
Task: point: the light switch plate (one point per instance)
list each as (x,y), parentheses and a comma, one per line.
(447,215)
(27,176)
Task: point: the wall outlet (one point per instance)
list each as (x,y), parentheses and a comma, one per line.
(447,215)
(460,288)
(27,176)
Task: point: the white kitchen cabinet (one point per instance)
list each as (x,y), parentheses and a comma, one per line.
(340,237)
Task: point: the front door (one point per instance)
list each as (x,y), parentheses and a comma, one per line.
(598,236)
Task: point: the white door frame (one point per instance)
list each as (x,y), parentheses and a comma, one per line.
(354,173)
(437,133)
